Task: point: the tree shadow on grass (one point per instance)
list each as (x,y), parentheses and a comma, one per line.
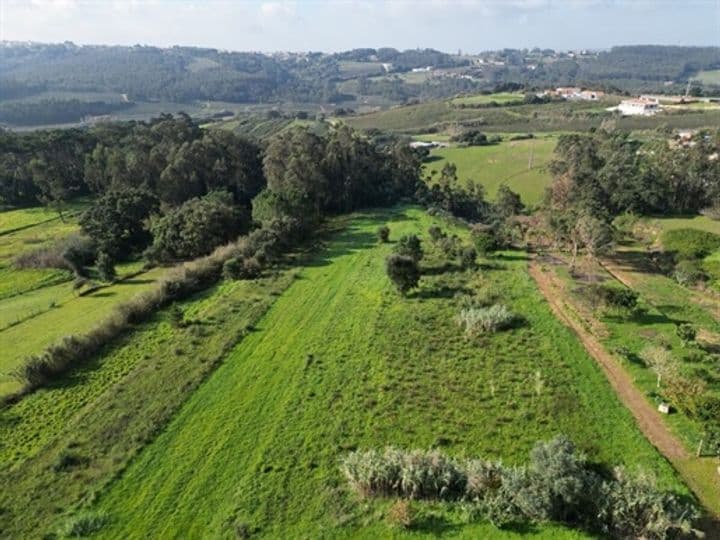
(444,291)
(513,256)
(446,268)
(433,523)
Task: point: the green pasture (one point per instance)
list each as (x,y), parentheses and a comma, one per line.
(36,319)
(28,229)
(708,77)
(101,414)
(519,164)
(341,361)
(702,223)
(501,98)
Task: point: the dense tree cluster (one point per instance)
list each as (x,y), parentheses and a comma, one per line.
(55,111)
(601,175)
(183,191)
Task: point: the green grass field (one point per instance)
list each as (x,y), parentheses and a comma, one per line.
(32,321)
(502,98)
(708,77)
(27,229)
(702,223)
(339,361)
(519,164)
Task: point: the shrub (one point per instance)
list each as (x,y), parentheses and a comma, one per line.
(477,321)
(484,239)
(686,332)
(401,514)
(410,246)
(71,253)
(383,234)
(83,524)
(403,271)
(559,485)
(712,212)
(688,272)
(620,298)
(449,246)
(635,508)
(690,243)
(468,257)
(237,268)
(105,266)
(435,233)
(417,474)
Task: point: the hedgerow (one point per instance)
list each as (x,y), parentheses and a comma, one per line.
(558,485)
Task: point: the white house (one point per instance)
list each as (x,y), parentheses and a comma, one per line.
(639,107)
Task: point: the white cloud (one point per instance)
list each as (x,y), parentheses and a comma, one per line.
(277,9)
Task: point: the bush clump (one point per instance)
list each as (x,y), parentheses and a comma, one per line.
(410,246)
(403,271)
(242,268)
(608,296)
(558,485)
(690,243)
(83,524)
(383,234)
(484,320)
(197,227)
(688,272)
(484,239)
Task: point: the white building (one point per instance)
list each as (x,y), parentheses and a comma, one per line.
(639,107)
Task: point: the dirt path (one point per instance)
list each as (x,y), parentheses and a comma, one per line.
(648,419)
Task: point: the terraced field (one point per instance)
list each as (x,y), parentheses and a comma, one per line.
(27,229)
(340,362)
(32,321)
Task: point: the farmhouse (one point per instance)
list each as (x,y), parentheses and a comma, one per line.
(573,92)
(643,106)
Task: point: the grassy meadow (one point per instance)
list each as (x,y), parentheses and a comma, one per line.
(339,361)
(708,77)
(501,98)
(519,164)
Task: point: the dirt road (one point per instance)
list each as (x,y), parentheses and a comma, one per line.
(647,417)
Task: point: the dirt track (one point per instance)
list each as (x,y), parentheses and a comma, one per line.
(648,419)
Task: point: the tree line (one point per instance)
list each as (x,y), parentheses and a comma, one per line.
(178,191)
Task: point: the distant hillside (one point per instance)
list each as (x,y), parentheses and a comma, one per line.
(187,78)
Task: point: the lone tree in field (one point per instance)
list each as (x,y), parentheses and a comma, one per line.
(383,234)
(403,271)
(410,246)
(660,361)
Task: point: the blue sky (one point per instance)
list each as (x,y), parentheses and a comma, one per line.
(470,25)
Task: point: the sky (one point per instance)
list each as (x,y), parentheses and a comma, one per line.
(333,25)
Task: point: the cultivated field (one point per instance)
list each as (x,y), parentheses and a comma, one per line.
(519,164)
(340,361)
